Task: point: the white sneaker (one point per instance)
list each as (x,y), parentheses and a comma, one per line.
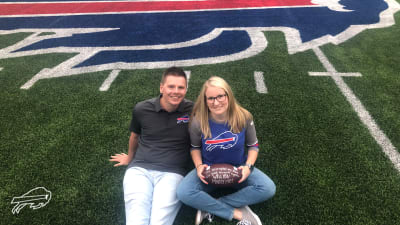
(244,222)
(249,217)
(200,216)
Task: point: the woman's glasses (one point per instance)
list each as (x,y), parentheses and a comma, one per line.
(220,98)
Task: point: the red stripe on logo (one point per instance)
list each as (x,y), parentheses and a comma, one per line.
(208,142)
(43,8)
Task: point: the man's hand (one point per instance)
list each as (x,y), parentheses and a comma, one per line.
(122,159)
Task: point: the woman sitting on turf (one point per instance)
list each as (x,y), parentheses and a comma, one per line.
(216,112)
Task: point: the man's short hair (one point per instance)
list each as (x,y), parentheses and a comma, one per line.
(173,71)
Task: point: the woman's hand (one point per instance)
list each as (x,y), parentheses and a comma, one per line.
(245,173)
(200,168)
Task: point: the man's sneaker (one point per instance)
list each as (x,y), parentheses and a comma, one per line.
(249,217)
(200,216)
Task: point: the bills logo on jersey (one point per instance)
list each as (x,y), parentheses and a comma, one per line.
(183,119)
(118,35)
(223,141)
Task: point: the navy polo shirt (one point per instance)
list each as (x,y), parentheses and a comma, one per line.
(164,140)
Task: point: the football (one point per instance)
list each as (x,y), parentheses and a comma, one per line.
(222,175)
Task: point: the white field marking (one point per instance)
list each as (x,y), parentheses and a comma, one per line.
(188,73)
(258,40)
(114,74)
(258,44)
(11,51)
(386,20)
(330,74)
(107,83)
(380,137)
(333,5)
(260,84)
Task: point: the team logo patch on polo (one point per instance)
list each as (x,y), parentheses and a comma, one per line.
(183,119)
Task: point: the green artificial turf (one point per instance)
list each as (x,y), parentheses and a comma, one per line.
(327,167)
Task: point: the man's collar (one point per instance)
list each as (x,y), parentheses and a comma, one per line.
(181,106)
(158,104)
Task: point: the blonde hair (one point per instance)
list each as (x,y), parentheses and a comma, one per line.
(237,115)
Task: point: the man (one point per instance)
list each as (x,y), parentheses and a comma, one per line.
(158,153)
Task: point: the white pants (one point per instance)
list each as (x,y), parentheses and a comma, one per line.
(150,196)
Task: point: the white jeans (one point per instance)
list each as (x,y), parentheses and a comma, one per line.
(150,196)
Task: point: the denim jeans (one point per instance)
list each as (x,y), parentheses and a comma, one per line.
(256,188)
(150,196)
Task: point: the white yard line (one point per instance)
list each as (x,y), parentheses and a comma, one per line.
(188,73)
(107,83)
(380,137)
(260,84)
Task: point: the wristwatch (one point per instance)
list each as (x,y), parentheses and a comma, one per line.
(251,167)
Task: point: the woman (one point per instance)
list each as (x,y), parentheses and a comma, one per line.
(216,114)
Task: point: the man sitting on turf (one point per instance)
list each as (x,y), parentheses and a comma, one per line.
(158,153)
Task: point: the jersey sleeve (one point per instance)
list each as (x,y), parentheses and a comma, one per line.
(135,124)
(195,134)
(251,137)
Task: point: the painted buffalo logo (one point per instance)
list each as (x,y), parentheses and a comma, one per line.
(125,35)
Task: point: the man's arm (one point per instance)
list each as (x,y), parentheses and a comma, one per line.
(124,159)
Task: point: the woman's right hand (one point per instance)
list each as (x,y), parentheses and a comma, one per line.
(200,168)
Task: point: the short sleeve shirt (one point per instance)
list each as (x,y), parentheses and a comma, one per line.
(224,146)
(164,140)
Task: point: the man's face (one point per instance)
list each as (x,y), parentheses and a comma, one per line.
(173,91)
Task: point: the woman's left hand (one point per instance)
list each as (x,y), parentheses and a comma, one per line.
(245,173)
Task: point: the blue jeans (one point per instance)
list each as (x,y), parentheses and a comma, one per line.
(193,192)
(150,196)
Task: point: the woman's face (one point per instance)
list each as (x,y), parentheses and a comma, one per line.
(217,102)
